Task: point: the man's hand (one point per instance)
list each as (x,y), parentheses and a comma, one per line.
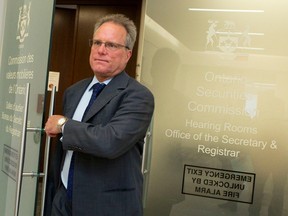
(51,126)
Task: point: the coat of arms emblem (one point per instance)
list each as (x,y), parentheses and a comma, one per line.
(23,22)
(227,39)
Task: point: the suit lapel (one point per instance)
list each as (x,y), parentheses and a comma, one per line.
(114,87)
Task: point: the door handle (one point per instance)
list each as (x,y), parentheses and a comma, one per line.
(22,153)
(20,173)
(47,152)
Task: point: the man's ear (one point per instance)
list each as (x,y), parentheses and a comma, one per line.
(129,54)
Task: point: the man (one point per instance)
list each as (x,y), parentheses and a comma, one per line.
(104,147)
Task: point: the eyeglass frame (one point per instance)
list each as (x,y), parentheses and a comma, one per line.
(113,46)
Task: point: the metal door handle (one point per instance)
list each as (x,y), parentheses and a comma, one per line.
(20,173)
(22,153)
(47,152)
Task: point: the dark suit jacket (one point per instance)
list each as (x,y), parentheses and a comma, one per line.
(108,147)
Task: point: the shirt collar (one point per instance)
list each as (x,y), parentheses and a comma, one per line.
(94,80)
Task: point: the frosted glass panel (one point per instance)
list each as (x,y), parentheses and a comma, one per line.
(218,71)
(24,59)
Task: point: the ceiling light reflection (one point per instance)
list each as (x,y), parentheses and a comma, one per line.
(225,10)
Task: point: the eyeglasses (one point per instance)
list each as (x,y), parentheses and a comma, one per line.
(108,45)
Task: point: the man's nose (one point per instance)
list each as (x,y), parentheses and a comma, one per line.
(102,48)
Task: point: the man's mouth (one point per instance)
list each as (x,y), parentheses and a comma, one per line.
(101,60)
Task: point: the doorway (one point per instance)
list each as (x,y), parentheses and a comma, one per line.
(73,26)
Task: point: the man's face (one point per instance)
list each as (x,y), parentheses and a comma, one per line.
(107,63)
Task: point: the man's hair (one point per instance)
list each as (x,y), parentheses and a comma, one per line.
(124,21)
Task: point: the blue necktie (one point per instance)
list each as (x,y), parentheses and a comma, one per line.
(97,88)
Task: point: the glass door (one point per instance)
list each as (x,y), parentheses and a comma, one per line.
(218,71)
(24,62)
